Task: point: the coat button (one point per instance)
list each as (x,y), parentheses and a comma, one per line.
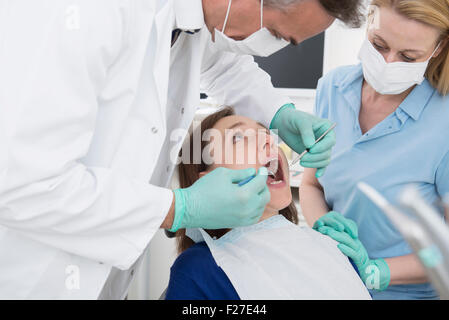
(154,130)
(168,168)
(132,272)
(182,110)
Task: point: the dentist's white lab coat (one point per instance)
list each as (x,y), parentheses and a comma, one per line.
(90,92)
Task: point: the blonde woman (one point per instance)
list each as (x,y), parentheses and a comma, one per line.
(392,112)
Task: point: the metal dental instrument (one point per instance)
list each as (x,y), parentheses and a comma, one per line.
(427,237)
(316,141)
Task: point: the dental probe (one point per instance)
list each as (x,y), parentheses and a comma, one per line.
(316,141)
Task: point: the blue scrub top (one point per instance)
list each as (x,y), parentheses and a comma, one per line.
(410,146)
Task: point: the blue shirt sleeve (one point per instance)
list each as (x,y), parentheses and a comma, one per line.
(196,276)
(325,91)
(442,177)
(319,111)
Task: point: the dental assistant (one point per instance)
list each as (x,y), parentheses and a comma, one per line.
(91,93)
(392,112)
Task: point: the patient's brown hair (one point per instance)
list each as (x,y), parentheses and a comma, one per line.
(189,173)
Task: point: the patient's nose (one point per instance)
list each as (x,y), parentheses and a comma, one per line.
(390,57)
(267,146)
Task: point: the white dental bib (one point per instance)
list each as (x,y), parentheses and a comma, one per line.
(276,259)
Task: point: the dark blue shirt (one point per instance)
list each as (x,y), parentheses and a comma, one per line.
(196,276)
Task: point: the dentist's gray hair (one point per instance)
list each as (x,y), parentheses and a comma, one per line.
(348,11)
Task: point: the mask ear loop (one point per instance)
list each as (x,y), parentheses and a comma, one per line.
(261,14)
(436,49)
(227,15)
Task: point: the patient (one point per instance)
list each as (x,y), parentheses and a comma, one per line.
(273,259)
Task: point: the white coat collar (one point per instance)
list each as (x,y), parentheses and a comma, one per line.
(189,14)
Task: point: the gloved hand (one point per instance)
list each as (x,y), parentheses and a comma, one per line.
(375,273)
(338,222)
(215,201)
(299,130)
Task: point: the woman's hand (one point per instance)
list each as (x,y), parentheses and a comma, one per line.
(299,130)
(336,221)
(374,273)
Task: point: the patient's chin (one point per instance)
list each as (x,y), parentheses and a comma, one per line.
(280,198)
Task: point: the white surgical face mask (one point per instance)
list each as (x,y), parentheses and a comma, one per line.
(261,43)
(390,78)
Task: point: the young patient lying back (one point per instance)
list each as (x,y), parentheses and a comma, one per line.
(273,259)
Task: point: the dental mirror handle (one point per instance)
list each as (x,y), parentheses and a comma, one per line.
(245,181)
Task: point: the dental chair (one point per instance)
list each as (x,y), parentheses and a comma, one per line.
(425,231)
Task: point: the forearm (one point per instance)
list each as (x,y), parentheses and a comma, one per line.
(406,270)
(85,210)
(312,201)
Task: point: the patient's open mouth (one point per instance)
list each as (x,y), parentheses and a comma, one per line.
(275,172)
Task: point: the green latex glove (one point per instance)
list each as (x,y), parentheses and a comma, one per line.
(337,221)
(299,130)
(375,273)
(215,201)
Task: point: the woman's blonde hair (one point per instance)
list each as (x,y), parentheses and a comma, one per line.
(434,13)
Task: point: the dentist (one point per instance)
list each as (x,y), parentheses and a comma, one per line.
(91,92)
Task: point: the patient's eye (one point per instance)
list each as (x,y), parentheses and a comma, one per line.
(238,136)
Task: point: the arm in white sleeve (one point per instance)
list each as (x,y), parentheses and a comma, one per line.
(237,80)
(50,78)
